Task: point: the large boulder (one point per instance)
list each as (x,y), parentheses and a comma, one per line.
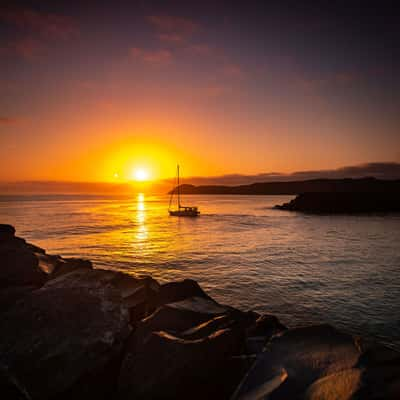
(380,378)
(55,266)
(24,264)
(172,292)
(56,339)
(178,317)
(10,295)
(6,231)
(375,377)
(190,337)
(19,264)
(297,358)
(338,386)
(136,293)
(168,367)
(10,388)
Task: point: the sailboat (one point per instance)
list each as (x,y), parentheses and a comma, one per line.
(181,211)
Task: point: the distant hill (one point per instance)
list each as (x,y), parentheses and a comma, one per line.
(297,187)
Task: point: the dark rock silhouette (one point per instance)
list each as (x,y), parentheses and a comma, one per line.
(6,231)
(136,293)
(344,202)
(19,261)
(72,331)
(175,291)
(55,336)
(168,367)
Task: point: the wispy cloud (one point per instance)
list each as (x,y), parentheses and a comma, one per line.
(233,71)
(154,57)
(45,24)
(8,121)
(216,90)
(173,25)
(172,38)
(35,30)
(201,49)
(27,48)
(342,79)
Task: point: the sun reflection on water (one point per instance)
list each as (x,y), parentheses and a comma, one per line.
(141,231)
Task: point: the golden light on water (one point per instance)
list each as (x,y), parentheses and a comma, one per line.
(140,202)
(141,231)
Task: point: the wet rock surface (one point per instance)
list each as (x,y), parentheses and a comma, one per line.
(168,367)
(71,331)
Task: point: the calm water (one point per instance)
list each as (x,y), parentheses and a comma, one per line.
(344,270)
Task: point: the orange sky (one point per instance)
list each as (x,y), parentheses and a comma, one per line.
(96,97)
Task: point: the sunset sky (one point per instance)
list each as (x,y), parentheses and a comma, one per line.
(101,91)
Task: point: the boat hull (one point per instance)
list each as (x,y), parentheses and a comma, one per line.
(184,213)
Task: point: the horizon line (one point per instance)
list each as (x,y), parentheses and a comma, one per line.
(380,170)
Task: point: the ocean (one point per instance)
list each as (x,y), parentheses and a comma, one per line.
(341,269)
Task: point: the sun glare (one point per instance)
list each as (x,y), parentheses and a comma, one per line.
(140,175)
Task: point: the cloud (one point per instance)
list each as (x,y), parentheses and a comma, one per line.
(8,121)
(47,25)
(345,78)
(172,38)
(314,85)
(27,48)
(215,90)
(173,25)
(380,170)
(233,71)
(36,30)
(200,49)
(154,57)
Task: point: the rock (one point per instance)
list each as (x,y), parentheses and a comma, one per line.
(234,319)
(10,388)
(136,293)
(306,355)
(378,355)
(56,338)
(178,317)
(25,264)
(6,231)
(208,327)
(167,367)
(376,376)
(66,265)
(339,386)
(344,202)
(266,326)
(9,296)
(187,325)
(48,263)
(19,265)
(380,374)
(259,333)
(176,291)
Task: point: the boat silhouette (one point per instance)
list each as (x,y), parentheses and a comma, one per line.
(181,211)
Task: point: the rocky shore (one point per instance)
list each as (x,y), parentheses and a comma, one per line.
(69,331)
(344,202)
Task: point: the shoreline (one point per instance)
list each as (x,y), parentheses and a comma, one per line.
(72,331)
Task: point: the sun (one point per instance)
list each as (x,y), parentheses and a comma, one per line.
(140,175)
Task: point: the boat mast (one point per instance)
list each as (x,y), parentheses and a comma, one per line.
(179,191)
